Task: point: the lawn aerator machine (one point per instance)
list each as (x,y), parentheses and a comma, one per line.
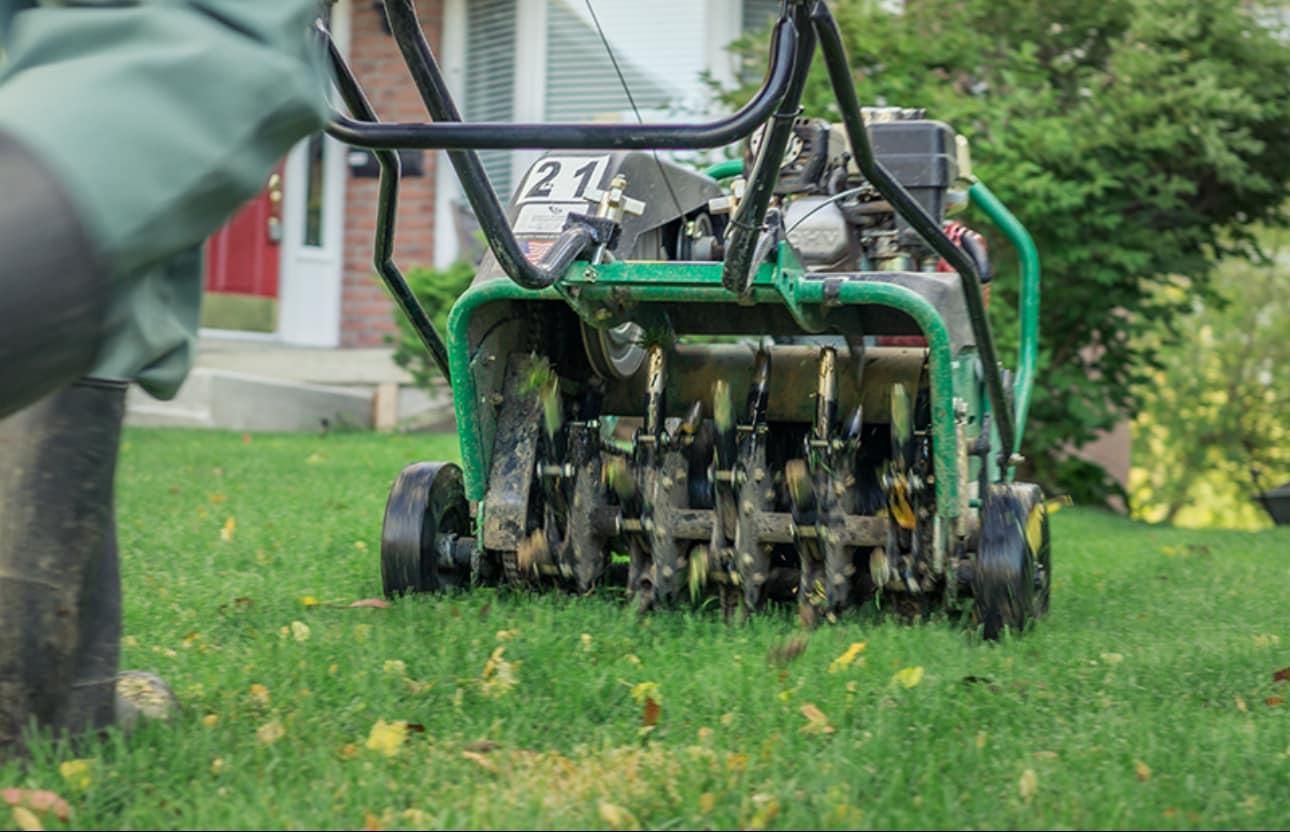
(771,380)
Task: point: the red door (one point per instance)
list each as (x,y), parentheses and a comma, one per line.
(242,263)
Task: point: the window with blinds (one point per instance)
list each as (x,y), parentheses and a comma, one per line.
(490,78)
(581,83)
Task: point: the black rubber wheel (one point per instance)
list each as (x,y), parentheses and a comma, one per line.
(1011,579)
(427,510)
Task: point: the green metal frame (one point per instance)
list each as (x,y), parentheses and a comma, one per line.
(589,289)
(1028,256)
(650,283)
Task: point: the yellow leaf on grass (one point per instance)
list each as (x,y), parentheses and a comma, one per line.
(908,677)
(766,812)
(847,658)
(644,691)
(260,693)
(226,533)
(299,631)
(270,732)
(1142,770)
(77,773)
(309,601)
(507,635)
(616,817)
(1028,784)
(1112,658)
(387,737)
(816,721)
(218,765)
(210,720)
(396,666)
(707,802)
(499,675)
(26,819)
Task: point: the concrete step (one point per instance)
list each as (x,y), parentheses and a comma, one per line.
(234,400)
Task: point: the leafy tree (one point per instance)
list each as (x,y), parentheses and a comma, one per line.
(1138,140)
(1215,425)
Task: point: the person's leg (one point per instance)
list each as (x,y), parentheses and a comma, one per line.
(156,120)
(60,609)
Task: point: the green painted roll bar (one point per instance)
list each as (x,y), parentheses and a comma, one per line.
(1028,348)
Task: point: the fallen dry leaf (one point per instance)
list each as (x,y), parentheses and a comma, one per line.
(26,819)
(646,690)
(1274,701)
(707,802)
(260,693)
(1142,770)
(299,631)
(210,720)
(1241,706)
(226,533)
(246,439)
(372,603)
(77,773)
(1112,658)
(387,737)
(396,666)
(309,601)
(765,813)
(1045,755)
(650,713)
(481,746)
(270,732)
(498,676)
(37,800)
(481,761)
(1282,675)
(816,721)
(1028,784)
(847,658)
(372,823)
(908,677)
(616,817)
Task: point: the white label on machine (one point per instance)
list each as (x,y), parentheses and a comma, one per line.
(547,218)
(563,179)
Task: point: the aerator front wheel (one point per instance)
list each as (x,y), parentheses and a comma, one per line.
(425,543)
(1011,579)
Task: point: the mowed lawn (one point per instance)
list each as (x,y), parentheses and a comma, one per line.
(1147,698)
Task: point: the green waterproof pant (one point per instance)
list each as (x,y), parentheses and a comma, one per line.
(161,117)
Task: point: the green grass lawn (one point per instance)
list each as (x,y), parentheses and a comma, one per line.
(1146,698)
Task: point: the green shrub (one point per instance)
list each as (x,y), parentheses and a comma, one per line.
(437,290)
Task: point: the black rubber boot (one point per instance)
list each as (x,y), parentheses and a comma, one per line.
(53,290)
(60,590)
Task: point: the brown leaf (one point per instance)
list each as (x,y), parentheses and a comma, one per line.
(651,712)
(414,728)
(816,721)
(374,603)
(786,651)
(37,800)
(1282,675)
(372,823)
(246,439)
(481,761)
(481,746)
(1274,701)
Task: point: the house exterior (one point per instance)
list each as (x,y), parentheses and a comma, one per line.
(295,265)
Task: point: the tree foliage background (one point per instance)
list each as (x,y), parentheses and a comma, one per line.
(1138,140)
(1215,424)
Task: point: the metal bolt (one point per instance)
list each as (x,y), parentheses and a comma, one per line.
(590,275)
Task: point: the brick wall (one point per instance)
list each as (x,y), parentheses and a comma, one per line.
(366,313)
